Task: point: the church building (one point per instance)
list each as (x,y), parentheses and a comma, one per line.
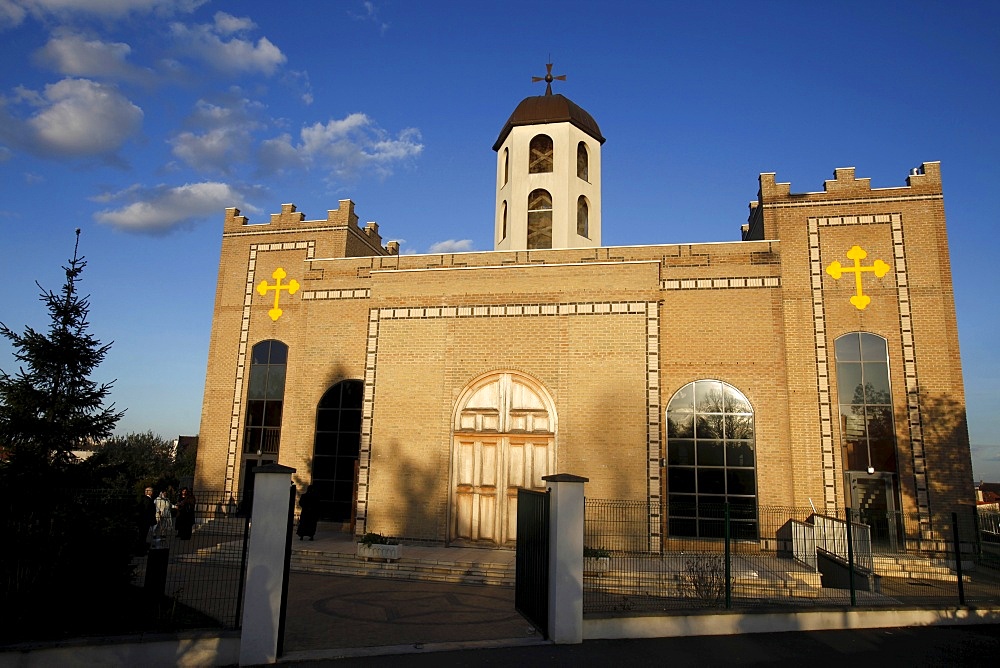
(813,363)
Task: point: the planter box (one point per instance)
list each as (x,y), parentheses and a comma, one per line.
(596,565)
(387,552)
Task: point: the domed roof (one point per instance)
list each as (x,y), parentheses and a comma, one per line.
(549,108)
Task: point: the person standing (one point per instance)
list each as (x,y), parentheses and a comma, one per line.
(185,514)
(145,520)
(309,515)
(164,520)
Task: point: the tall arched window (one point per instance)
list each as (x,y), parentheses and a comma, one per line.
(539,219)
(865,400)
(582,161)
(582,217)
(335,449)
(540,154)
(711,461)
(503,220)
(506,167)
(265,396)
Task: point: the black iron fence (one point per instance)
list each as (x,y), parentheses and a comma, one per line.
(781,558)
(195,578)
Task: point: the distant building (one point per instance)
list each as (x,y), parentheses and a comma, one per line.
(813,362)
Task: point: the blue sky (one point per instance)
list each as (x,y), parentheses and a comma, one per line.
(140,121)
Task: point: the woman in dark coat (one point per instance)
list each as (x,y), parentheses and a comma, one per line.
(308,516)
(185,514)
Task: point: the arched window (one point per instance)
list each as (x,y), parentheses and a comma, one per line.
(582,161)
(539,219)
(711,461)
(503,221)
(335,449)
(265,397)
(582,217)
(865,400)
(540,154)
(506,167)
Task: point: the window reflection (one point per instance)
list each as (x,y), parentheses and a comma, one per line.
(710,460)
(865,397)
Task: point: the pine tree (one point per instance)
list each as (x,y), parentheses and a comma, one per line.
(51,406)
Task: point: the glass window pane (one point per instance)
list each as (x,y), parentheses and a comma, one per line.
(326,419)
(883,454)
(739,453)
(683,401)
(272,414)
(276,382)
(345,469)
(709,426)
(681,479)
(711,529)
(681,505)
(711,481)
(325,443)
(873,348)
(879,419)
(255,414)
(261,352)
(687,528)
(740,481)
(324,467)
(680,453)
(680,425)
(857,454)
(350,420)
(852,422)
(849,388)
(708,396)
(848,348)
(279,353)
(876,376)
(711,453)
(739,426)
(581,161)
(258,382)
(736,402)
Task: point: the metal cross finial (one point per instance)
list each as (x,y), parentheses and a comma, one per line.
(856,253)
(263,288)
(548,78)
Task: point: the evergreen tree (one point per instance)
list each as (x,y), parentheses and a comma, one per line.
(51,406)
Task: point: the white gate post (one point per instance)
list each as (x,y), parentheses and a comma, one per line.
(565,557)
(265,564)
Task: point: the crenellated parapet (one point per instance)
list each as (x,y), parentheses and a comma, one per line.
(347,238)
(922,181)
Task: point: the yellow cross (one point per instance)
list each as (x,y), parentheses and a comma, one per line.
(263,288)
(879,268)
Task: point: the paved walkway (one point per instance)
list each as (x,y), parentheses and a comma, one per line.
(330,615)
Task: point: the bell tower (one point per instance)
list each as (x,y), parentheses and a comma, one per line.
(548,192)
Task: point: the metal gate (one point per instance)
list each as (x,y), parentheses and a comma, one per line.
(531,572)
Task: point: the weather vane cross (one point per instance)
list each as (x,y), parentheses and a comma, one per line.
(879,268)
(263,288)
(548,78)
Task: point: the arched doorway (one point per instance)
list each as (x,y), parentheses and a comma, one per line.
(335,450)
(504,438)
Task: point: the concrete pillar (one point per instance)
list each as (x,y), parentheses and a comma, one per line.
(565,557)
(269,532)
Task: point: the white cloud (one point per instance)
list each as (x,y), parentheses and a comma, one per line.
(235,55)
(344,148)
(74,118)
(226,139)
(451,246)
(162,209)
(75,55)
(370,15)
(13,12)
(226,24)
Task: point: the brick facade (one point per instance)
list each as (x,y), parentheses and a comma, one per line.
(609,335)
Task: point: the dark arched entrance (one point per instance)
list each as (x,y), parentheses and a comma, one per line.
(335,450)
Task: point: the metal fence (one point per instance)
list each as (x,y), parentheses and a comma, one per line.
(196,582)
(780,558)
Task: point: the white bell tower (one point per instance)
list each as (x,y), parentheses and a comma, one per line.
(548,175)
